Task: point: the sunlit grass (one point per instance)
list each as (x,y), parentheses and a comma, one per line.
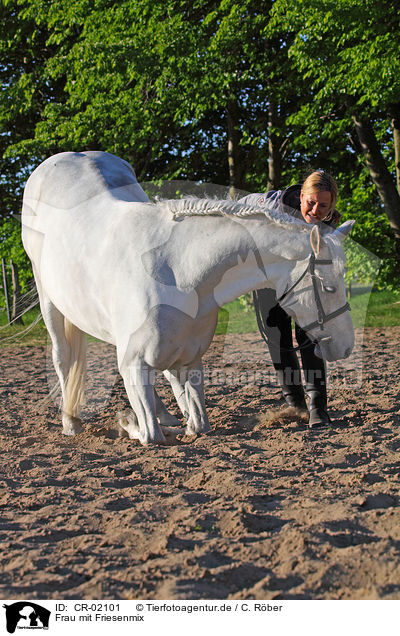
(13,335)
(376,309)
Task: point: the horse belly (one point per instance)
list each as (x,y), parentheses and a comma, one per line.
(169,338)
(80,305)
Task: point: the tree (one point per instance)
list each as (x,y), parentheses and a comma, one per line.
(210,90)
(167,85)
(25,90)
(348,53)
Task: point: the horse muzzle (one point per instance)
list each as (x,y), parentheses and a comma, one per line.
(324,349)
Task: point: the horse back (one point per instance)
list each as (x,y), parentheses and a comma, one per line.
(66,180)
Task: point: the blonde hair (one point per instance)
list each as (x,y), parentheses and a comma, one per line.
(321,181)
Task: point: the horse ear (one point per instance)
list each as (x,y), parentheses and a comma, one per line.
(315,240)
(343,230)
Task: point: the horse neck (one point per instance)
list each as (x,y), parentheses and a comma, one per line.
(237,256)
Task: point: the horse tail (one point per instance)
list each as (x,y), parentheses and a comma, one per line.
(74,395)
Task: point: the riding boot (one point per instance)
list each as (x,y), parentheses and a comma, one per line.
(315,381)
(289,378)
(317,407)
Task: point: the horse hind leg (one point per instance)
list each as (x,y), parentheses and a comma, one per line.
(74,393)
(69,359)
(165,418)
(170,425)
(189,393)
(178,389)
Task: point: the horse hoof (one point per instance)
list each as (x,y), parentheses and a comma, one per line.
(122,433)
(171,434)
(197,428)
(169,421)
(128,425)
(71,425)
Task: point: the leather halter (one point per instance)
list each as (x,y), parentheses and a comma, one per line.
(322,316)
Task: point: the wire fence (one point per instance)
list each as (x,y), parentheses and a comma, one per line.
(24,303)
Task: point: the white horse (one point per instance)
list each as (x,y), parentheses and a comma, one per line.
(150,277)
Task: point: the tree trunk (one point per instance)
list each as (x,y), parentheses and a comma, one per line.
(395,117)
(16,294)
(235,169)
(274,149)
(380,175)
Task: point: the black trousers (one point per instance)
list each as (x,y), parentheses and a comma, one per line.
(278,328)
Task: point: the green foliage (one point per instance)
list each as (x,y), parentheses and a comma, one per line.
(246,301)
(378,265)
(153,81)
(347,55)
(347,50)
(362,267)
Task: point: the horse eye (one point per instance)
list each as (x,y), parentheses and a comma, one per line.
(329,288)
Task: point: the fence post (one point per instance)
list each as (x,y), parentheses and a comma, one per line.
(3,267)
(16,294)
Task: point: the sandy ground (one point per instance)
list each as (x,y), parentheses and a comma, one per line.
(261,508)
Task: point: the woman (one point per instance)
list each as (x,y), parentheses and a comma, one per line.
(314,202)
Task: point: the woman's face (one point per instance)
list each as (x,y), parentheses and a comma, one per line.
(315,206)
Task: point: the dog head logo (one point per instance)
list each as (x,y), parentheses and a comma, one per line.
(26,615)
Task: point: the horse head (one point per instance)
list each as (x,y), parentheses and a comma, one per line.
(316,294)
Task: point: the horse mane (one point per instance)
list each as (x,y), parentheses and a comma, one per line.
(195,206)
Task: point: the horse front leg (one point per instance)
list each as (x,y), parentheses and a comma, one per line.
(178,389)
(194,394)
(142,423)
